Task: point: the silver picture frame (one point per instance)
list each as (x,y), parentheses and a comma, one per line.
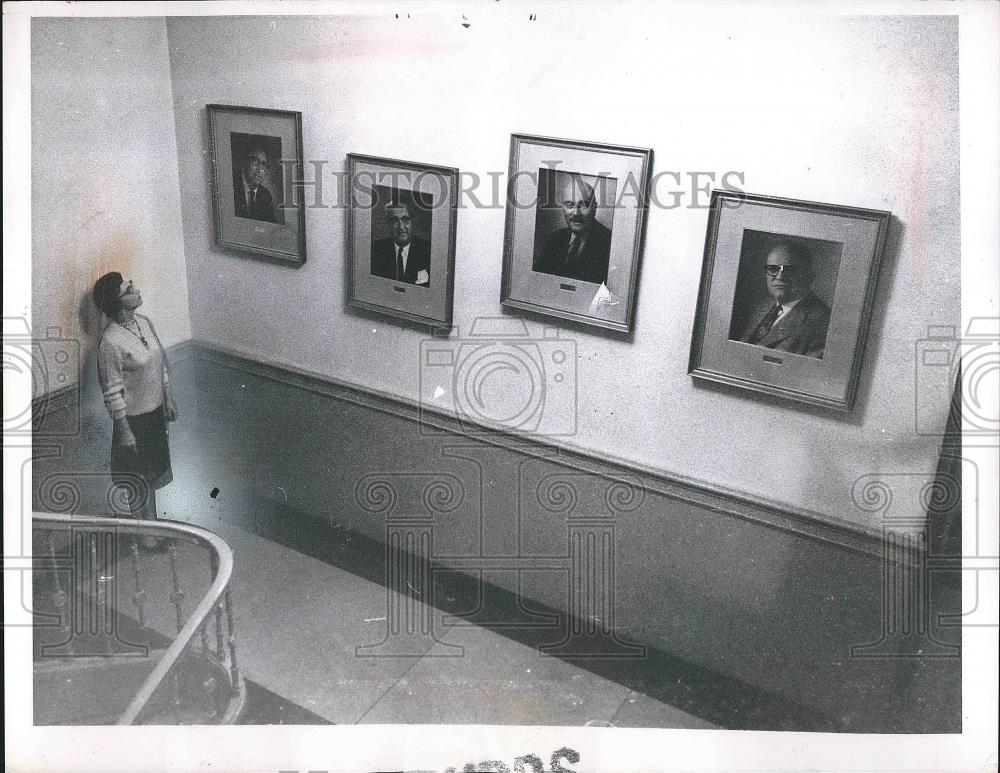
(545,269)
(810,349)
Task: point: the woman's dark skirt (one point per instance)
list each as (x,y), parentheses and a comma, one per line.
(149,465)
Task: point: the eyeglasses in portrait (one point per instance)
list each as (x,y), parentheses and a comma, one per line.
(786,296)
(256,167)
(784,290)
(255,176)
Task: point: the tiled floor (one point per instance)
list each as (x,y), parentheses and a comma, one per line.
(299,621)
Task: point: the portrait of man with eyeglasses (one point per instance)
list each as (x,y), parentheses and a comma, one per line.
(252,165)
(792,318)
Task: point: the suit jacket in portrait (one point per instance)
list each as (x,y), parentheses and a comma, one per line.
(417,259)
(800,331)
(261,208)
(590,265)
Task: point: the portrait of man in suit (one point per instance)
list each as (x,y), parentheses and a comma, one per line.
(792,318)
(581,248)
(403,256)
(252,163)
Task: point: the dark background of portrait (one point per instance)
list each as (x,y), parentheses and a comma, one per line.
(751,284)
(241,145)
(549,213)
(421,207)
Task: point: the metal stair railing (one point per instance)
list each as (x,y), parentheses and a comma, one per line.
(216,598)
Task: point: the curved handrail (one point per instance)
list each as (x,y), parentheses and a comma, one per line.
(224,554)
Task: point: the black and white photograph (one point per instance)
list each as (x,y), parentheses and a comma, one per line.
(255,175)
(401,247)
(261,213)
(574,229)
(501,388)
(402,219)
(779,274)
(786,296)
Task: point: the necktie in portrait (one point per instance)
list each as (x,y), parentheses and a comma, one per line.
(574,249)
(766,324)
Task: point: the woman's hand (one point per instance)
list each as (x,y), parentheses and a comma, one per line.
(125,438)
(170,409)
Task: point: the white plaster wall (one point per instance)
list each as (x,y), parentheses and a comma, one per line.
(104,185)
(856,111)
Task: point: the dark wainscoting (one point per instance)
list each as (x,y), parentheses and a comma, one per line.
(435,421)
(741,611)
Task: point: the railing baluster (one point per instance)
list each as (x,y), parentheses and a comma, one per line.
(176,681)
(139,597)
(220,650)
(96,587)
(234,670)
(210,686)
(195,692)
(213,565)
(59,596)
(177,596)
(108,582)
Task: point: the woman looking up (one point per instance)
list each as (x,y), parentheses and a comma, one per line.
(132,368)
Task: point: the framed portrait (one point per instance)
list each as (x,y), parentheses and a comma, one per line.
(401,232)
(786,296)
(574,229)
(256,157)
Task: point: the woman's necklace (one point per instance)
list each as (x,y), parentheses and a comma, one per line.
(137,332)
